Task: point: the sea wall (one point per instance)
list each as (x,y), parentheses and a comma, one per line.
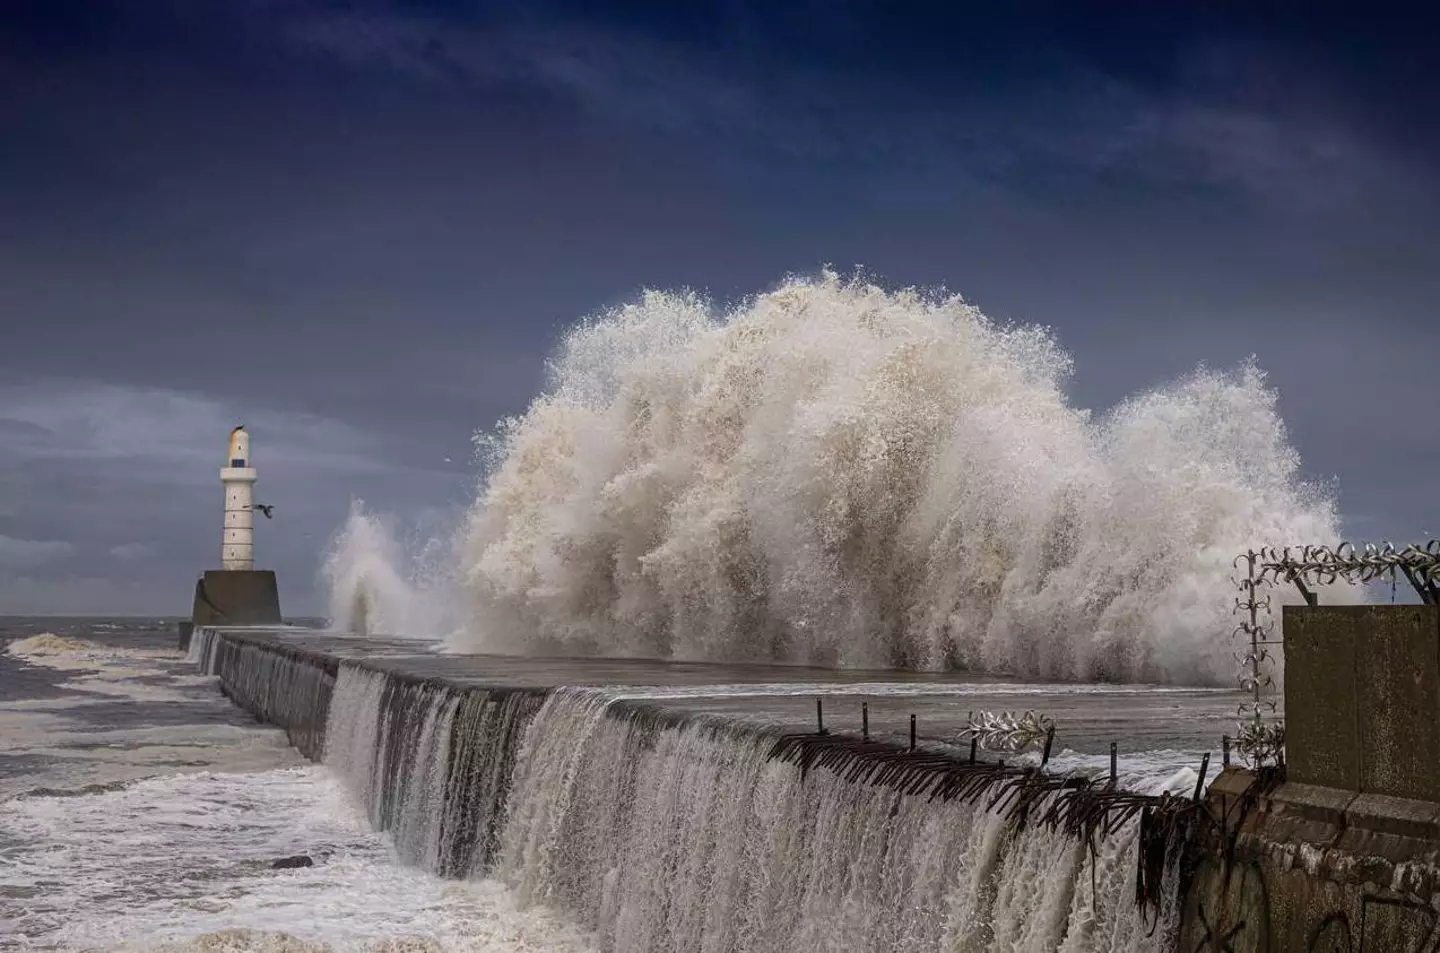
(281,685)
(1295,868)
(662,829)
(1340,851)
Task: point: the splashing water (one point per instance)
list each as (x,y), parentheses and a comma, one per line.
(378,586)
(837,474)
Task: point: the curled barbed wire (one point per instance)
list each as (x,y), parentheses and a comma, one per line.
(1006,731)
(1257,728)
(1261,742)
(1418,562)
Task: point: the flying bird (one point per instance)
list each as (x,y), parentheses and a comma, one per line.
(266,508)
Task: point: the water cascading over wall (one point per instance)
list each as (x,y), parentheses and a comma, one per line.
(430,762)
(666,830)
(683,833)
(280,685)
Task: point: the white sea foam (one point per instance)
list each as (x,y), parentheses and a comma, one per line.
(843,475)
(105,844)
(184,863)
(103,670)
(65,742)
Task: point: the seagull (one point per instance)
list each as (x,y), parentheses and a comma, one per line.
(266,508)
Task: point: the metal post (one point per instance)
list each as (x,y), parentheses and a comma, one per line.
(912,732)
(1254,632)
(974,743)
(1114,769)
(1049,740)
(865,721)
(1257,655)
(819,718)
(1225,751)
(1200,781)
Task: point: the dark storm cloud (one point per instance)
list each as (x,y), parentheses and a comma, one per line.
(359,228)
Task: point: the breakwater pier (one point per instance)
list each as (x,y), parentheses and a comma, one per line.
(671,806)
(698,807)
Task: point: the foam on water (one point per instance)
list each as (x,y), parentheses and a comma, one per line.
(48,643)
(118,714)
(107,670)
(843,475)
(185,863)
(148,816)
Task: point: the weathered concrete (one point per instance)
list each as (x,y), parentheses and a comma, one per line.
(281,685)
(1323,745)
(1306,868)
(783,696)
(1342,853)
(236,597)
(1362,698)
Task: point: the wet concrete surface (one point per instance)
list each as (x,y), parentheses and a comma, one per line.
(1137,718)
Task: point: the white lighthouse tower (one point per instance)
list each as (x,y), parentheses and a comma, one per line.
(238,476)
(237,593)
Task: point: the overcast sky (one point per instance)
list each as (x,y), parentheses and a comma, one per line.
(359,228)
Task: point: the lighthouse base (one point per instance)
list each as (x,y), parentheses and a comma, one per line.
(235,597)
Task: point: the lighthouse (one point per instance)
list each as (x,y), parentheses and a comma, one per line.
(237,551)
(237,593)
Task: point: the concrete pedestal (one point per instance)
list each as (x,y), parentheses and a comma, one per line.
(236,597)
(1362,698)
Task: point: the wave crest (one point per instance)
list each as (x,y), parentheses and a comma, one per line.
(838,474)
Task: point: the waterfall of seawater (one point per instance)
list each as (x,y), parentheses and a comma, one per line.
(843,475)
(430,764)
(663,831)
(681,834)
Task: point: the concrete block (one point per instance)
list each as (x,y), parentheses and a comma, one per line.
(1398,692)
(1401,817)
(1322,743)
(1232,782)
(236,597)
(1226,793)
(1305,813)
(1362,698)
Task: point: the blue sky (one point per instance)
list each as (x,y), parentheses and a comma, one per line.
(360,227)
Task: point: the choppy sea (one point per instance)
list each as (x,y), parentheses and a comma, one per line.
(140,810)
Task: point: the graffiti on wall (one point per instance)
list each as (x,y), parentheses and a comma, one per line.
(1242,920)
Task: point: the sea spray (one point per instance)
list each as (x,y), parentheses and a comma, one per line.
(378,585)
(843,475)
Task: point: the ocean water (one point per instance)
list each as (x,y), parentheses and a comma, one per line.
(140,810)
